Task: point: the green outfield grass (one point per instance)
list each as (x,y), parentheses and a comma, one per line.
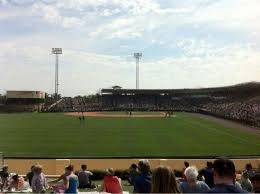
(58,135)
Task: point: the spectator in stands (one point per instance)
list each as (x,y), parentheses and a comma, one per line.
(246,183)
(84,177)
(250,171)
(208,174)
(17,183)
(225,177)
(111,183)
(143,182)
(29,175)
(39,181)
(192,185)
(71,181)
(4,174)
(133,173)
(164,181)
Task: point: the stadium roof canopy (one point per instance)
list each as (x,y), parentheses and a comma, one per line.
(240,88)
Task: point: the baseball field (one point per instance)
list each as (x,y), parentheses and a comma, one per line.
(116,134)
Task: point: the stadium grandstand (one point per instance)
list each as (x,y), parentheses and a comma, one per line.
(238,102)
(23,101)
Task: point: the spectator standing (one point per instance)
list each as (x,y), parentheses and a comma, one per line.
(143,182)
(84,177)
(164,181)
(225,177)
(29,175)
(111,183)
(39,181)
(192,185)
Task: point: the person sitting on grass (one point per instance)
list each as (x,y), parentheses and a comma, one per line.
(4,175)
(208,174)
(246,183)
(192,185)
(143,182)
(164,181)
(60,187)
(84,177)
(133,173)
(39,181)
(225,177)
(186,164)
(29,175)
(111,183)
(71,185)
(250,171)
(17,183)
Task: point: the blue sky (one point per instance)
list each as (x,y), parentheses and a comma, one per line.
(185,43)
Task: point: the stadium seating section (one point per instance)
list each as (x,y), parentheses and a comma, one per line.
(239,102)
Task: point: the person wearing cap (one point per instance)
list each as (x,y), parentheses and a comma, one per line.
(111,183)
(225,177)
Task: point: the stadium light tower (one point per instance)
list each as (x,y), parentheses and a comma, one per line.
(57,52)
(137,56)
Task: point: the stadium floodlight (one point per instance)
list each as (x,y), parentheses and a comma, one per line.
(57,52)
(137,56)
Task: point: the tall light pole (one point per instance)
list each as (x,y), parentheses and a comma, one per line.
(57,52)
(137,56)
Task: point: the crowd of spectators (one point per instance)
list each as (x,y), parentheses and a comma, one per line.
(246,110)
(217,177)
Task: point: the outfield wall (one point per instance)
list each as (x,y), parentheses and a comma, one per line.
(56,166)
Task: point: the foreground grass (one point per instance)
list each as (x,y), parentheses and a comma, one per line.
(58,135)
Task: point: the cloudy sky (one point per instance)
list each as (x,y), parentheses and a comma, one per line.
(185,43)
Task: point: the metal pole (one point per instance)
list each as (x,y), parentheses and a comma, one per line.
(57,75)
(137,56)
(137,73)
(57,51)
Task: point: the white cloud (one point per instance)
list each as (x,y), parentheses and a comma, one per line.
(52,15)
(84,72)
(185,43)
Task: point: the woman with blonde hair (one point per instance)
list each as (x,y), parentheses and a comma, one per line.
(164,180)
